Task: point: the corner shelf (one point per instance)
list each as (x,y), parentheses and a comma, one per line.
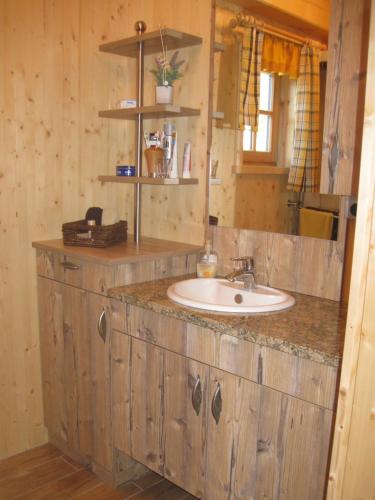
(157,111)
(147,180)
(129,46)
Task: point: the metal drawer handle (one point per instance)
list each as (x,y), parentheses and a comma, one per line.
(70,265)
(102,325)
(217,404)
(196,397)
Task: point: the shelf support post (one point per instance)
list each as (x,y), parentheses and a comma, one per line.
(140,28)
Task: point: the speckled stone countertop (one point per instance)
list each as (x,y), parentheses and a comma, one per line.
(313,328)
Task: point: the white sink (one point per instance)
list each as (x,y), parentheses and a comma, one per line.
(220,295)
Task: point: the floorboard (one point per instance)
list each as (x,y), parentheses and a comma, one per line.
(45,473)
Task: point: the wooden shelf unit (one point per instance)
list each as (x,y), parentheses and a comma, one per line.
(147,180)
(157,111)
(138,46)
(173,40)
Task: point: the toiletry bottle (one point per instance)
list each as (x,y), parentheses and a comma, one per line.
(207,264)
(186,166)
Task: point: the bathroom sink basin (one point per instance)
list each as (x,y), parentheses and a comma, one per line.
(220,295)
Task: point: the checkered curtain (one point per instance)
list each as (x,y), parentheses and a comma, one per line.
(303,172)
(252,46)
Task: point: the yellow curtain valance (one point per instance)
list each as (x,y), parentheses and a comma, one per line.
(280,56)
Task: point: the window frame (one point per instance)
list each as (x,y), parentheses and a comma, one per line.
(269,158)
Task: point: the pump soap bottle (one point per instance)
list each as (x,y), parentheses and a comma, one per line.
(207,264)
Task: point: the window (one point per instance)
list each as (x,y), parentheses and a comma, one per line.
(260,146)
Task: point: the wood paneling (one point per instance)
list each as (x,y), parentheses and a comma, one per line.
(232,442)
(100,379)
(66,364)
(304,265)
(351,471)
(346,77)
(293,443)
(307,16)
(185,430)
(147,389)
(53,147)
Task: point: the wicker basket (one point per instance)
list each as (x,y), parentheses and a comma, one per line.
(76,234)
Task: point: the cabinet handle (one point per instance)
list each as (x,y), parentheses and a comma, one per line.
(217,404)
(69,265)
(102,325)
(196,397)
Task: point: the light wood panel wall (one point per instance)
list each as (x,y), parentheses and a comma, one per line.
(304,265)
(53,146)
(353,457)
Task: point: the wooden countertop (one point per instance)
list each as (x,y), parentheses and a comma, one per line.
(313,328)
(129,251)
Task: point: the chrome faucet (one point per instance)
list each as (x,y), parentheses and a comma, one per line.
(246,273)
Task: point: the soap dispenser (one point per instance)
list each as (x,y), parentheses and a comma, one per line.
(207,263)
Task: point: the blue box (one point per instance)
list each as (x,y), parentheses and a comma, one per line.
(125,170)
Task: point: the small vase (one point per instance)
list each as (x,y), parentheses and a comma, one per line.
(164,94)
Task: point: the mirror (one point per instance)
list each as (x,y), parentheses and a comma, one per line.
(254,195)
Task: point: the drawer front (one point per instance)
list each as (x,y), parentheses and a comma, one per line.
(299,377)
(175,335)
(305,379)
(96,278)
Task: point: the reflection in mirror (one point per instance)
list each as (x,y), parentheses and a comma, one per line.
(250,167)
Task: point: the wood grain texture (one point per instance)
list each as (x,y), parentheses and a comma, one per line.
(147,389)
(232,443)
(54,146)
(351,470)
(66,364)
(304,265)
(346,76)
(120,390)
(292,447)
(100,380)
(185,431)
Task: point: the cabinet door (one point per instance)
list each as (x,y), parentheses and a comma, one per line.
(100,353)
(293,442)
(147,387)
(65,364)
(185,411)
(231,436)
(120,388)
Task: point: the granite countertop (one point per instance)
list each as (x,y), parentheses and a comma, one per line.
(313,328)
(128,251)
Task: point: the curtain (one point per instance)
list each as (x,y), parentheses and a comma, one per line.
(251,59)
(280,56)
(303,172)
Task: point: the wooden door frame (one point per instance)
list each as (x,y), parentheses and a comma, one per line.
(351,469)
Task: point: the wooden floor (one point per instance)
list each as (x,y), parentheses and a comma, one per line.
(46,473)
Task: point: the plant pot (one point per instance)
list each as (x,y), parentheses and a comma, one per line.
(164,94)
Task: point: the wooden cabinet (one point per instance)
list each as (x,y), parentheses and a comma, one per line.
(75,343)
(344,102)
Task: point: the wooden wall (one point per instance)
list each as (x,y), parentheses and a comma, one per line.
(53,81)
(353,457)
(304,265)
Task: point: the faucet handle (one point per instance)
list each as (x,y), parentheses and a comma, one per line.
(247,262)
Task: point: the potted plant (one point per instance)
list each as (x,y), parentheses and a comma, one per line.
(166,73)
